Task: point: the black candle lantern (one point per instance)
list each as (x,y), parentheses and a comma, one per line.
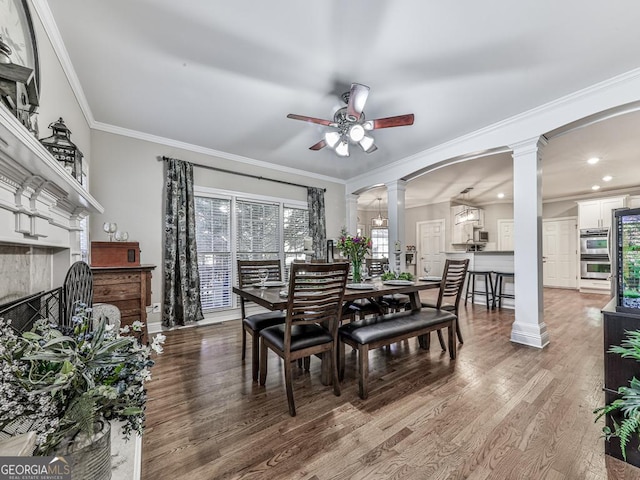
(64,150)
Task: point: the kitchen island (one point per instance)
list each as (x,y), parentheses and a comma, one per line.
(490,260)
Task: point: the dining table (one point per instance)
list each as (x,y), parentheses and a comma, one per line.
(274,296)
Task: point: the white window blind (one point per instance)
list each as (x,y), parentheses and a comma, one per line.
(295,228)
(230,228)
(257,230)
(213,238)
(380,243)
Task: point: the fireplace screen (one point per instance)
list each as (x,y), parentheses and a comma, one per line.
(27,310)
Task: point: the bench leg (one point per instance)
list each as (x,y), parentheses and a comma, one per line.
(451,333)
(363,371)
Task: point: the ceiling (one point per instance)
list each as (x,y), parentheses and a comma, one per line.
(224,75)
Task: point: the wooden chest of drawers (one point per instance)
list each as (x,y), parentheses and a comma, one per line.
(128,288)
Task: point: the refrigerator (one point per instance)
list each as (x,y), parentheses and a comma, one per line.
(625,259)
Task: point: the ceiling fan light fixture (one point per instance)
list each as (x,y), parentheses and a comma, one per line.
(342,149)
(366,143)
(356,132)
(368,125)
(332,138)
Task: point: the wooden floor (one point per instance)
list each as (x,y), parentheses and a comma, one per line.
(500,411)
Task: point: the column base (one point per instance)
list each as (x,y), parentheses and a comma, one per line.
(530,335)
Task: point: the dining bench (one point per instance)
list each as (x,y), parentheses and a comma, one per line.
(382,330)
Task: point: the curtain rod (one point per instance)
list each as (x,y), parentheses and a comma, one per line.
(257,177)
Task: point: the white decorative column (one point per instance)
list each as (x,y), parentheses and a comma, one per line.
(351,202)
(529,327)
(395,206)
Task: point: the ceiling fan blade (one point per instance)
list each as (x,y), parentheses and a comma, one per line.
(319,121)
(357,98)
(398,121)
(321,144)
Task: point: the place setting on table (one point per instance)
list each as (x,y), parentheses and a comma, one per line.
(272,295)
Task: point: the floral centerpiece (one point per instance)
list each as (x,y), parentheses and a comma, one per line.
(355,248)
(61,382)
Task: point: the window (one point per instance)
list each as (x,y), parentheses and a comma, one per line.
(229,228)
(213,239)
(295,227)
(380,243)
(84,240)
(258,230)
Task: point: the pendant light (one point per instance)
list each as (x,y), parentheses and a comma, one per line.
(378,221)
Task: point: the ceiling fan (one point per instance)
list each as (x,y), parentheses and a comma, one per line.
(350,124)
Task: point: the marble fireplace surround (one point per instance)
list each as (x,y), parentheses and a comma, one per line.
(41,207)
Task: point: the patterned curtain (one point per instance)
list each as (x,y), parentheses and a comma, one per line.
(181,277)
(317,224)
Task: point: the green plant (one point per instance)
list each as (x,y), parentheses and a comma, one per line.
(629,403)
(60,381)
(354,247)
(393,276)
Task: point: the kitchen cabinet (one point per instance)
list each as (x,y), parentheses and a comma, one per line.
(597,213)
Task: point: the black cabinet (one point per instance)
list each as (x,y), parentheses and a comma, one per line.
(617,372)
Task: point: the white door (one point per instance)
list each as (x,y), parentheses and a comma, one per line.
(505,234)
(560,253)
(432,245)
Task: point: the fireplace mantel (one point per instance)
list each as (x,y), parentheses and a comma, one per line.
(41,210)
(45,201)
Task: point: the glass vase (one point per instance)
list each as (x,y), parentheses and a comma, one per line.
(356,266)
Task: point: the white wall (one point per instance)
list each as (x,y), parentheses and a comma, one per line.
(56,96)
(435,211)
(128,180)
(565,208)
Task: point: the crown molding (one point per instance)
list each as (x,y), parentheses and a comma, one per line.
(541,110)
(46,17)
(210,152)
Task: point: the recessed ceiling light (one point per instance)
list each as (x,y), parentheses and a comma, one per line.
(607,178)
(501,195)
(593,160)
(595,187)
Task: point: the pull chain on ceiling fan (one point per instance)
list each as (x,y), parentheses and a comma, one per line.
(350,123)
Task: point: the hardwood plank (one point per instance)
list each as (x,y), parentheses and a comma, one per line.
(499,411)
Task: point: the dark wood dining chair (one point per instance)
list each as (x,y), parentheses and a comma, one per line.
(453,277)
(314,307)
(248,275)
(376,266)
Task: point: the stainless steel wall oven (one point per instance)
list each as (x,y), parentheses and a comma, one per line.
(594,242)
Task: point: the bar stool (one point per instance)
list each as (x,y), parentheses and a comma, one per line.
(499,291)
(471,281)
